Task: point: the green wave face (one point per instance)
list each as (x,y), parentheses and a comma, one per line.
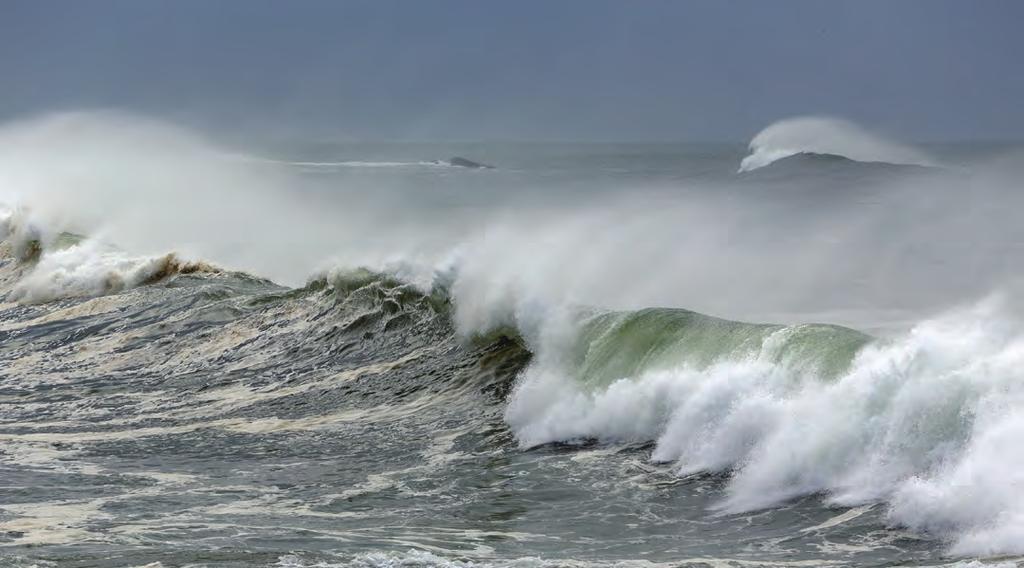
(615,345)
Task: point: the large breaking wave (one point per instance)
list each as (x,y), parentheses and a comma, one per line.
(927,421)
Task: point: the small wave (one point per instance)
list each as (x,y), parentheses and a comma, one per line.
(367,164)
(454,162)
(827,136)
(39,265)
(88,270)
(347,163)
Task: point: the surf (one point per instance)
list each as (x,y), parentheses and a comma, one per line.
(535,327)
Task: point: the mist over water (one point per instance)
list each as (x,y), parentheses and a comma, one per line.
(150,187)
(509,362)
(923,240)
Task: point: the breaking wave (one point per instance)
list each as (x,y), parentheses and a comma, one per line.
(928,422)
(37,265)
(826,136)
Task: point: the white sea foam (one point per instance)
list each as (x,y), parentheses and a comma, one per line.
(928,423)
(84,270)
(414,558)
(152,188)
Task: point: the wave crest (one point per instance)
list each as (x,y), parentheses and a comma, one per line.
(926,423)
(38,264)
(823,135)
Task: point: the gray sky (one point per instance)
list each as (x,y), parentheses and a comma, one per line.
(564,70)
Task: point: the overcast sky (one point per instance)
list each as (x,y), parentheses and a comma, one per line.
(566,70)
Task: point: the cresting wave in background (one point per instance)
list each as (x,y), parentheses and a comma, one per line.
(491,334)
(827,136)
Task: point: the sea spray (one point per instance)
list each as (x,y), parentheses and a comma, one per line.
(927,422)
(830,136)
(509,385)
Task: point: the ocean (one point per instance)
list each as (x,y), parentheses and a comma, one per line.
(802,351)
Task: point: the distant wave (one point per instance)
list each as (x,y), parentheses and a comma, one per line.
(827,136)
(808,163)
(455,162)
(357,164)
(365,164)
